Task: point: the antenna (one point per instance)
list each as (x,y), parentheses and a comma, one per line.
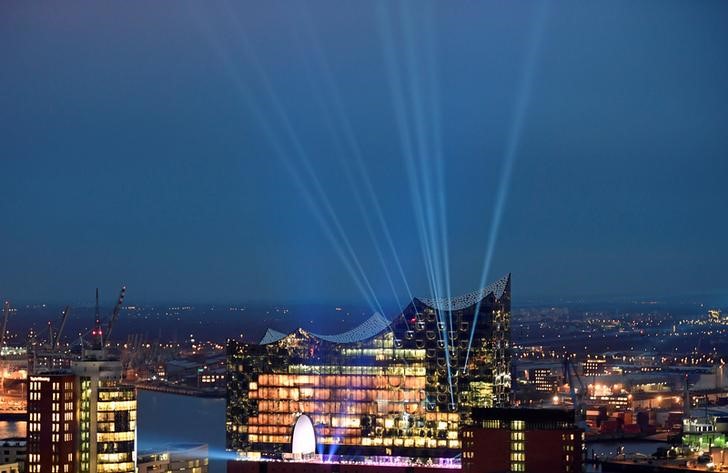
(97,334)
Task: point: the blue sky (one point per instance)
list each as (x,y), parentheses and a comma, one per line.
(176,146)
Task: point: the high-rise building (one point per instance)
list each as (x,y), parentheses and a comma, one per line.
(395,392)
(82,420)
(528,440)
(107,415)
(52,423)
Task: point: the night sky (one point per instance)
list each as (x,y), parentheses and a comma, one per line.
(207,151)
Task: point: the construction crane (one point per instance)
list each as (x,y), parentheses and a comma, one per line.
(115,313)
(55,339)
(577,393)
(50,333)
(6,313)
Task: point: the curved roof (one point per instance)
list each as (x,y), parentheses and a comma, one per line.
(467,300)
(271,336)
(374,325)
(377,323)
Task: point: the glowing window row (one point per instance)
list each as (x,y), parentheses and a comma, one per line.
(371,408)
(348,394)
(115,467)
(114,436)
(412,369)
(116,405)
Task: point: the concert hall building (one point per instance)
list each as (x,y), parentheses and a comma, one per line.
(387,392)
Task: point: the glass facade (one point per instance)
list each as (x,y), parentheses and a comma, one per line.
(107,416)
(115,427)
(401,389)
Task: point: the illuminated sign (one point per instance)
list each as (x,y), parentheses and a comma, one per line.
(39,378)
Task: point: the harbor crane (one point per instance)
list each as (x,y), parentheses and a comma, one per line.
(115,313)
(6,313)
(56,338)
(576,393)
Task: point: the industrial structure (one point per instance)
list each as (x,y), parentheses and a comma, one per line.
(384,392)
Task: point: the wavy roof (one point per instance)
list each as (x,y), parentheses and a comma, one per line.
(272,336)
(372,326)
(377,323)
(466,300)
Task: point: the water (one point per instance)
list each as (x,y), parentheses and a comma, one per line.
(170,418)
(611,448)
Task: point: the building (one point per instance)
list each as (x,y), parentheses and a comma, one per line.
(52,423)
(107,415)
(211,378)
(175,458)
(11,468)
(543,379)
(596,366)
(13,450)
(82,420)
(514,440)
(384,392)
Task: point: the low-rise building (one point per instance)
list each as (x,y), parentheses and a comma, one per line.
(503,439)
(13,450)
(175,458)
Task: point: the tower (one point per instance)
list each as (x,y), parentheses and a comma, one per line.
(107,416)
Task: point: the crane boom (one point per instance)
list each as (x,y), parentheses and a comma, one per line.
(57,338)
(6,313)
(577,394)
(115,313)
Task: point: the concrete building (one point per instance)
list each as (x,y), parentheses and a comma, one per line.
(52,423)
(522,440)
(13,450)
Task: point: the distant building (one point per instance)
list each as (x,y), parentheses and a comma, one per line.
(514,440)
(543,379)
(211,378)
(13,450)
(595,367)
(704,433)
